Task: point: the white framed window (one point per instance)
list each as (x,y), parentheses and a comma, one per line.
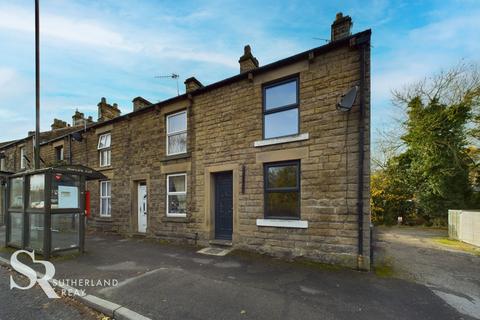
(59,153)
(104,149)
(23,161)
(2,164)
(177,133)
(105,199)
(177,195)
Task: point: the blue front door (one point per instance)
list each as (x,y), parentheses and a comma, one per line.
(223,206)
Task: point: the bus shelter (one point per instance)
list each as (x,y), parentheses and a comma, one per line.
(3,194)
(45,209)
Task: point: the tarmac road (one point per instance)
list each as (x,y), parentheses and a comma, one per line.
(451,274)
(34,304)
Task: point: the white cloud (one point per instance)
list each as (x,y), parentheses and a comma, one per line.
(12,84)
(162,42)
(459,32)
(69,29)
(421,52)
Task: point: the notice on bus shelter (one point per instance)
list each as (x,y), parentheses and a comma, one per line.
(67,197)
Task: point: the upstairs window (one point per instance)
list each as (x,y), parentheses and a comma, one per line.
(23,161)
(280,109)
(2,163)
(177,133)
(104,149)
(282,190)
(59,153)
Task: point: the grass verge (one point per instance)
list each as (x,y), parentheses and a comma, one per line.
(383,268)
(457,245)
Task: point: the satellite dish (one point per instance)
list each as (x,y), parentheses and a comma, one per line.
(347,100)
(77,136)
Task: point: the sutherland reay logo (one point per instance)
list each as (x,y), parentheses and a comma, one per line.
(32,274)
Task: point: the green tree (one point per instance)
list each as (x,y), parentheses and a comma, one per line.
(432,154)
(392,192)
(436,139)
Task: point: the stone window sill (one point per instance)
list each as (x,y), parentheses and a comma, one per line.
(105,168)
(176,215)
(104,219)
(175,219)
(268,142)
(176,157)
(280,223)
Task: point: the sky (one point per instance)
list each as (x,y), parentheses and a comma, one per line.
(114,49)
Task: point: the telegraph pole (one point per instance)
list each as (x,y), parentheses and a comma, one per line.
(37,86)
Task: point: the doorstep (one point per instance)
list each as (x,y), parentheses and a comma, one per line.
(138,235)
(221,243)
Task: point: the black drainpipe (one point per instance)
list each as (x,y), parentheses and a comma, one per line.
(362,44)
(70,149)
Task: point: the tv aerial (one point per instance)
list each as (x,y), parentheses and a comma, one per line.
(171,76)
(321,39)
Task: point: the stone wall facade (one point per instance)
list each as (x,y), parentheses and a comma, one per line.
(225,124)
(329,159)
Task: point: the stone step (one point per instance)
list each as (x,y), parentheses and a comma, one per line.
(220,243)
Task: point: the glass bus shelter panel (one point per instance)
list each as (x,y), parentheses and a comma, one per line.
(16,193)
(36,193)
(16,229)
(36,231)
(65,231)
(65,191)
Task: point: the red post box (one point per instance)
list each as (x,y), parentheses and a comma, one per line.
(87,204)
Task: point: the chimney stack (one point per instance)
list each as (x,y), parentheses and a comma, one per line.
(341,27)
(192,84)
(247,61)
(107,111)
(58,124)
(78,119)
(140,103)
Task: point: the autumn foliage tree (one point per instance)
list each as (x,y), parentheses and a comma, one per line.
(436,168)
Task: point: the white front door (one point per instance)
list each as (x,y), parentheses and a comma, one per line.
(142,207)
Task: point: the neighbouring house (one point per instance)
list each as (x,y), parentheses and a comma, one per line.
(271,160)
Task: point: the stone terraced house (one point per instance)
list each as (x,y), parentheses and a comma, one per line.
(275,159)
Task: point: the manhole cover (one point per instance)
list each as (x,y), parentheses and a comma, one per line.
(215,251)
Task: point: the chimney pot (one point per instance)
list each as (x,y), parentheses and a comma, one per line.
(341,27)
(58,124)
(107,111)
(78,118)
(140,103)
(247,61)
(192,84)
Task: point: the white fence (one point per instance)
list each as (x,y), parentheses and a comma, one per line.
(464,225)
